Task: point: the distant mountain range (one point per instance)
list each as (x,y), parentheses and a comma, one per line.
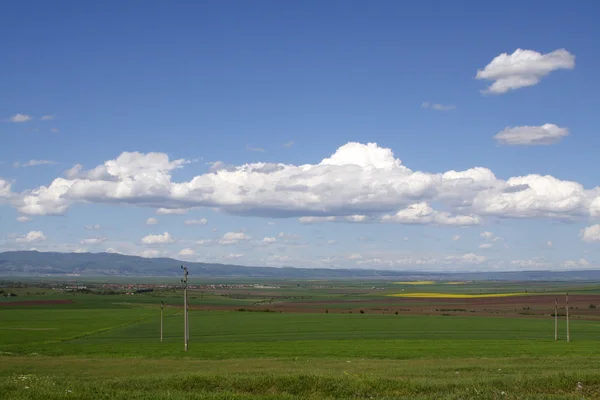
(35,263)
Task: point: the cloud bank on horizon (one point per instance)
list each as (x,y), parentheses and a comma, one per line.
(357,183)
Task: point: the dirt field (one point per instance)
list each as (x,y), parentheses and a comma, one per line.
(34,302)
(517,306)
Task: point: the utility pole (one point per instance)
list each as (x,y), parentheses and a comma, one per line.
(162,304)
(185,308)
(568,332)
(555,319)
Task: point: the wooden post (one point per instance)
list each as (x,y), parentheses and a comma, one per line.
(568,332)
(161,321)
(555,319)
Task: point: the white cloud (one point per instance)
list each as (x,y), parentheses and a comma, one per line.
(17,118)
(54,130)
(205,242)
(531,135)
(269,240)
(422,213)
(331,242)
(93,227)
(32,163)
(93,240)
(468,258)
(288,144)
(549,244)
(165,238)
(172,211)
(201,221)
(151,221)
(438,107)
(23,218)
(48,117)
(582,262)
(523,68)
(357,180)
(80,250)
(532,263)
(150,253)
(5,190)
(233,238)
(456,237)
(233,256)
(591,233)
(186,253)
(485,246)
(489,236)
(354,256)
(32,237)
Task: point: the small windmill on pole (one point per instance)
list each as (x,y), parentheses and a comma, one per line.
(185,308)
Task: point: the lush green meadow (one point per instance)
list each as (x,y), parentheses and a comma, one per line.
(105,347)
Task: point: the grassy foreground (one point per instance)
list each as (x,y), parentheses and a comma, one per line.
(99,348)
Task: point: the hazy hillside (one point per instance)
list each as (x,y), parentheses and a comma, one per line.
(34,263)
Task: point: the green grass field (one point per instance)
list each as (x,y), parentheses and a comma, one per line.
(106,347)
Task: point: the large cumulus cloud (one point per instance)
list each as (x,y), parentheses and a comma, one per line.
(357,183)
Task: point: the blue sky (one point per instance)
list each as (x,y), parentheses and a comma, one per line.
(290,84)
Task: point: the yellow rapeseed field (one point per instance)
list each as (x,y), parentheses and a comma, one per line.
(415,283)
(454,295)
(455,283)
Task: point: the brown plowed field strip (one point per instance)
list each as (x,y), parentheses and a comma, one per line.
(530,306)
(34,302)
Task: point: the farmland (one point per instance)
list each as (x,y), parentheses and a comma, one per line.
(301,340)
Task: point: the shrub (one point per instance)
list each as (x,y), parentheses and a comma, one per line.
(592,306)
(362,311)
(326,311)
(396,312)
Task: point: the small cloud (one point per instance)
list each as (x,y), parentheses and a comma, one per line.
(172,211)
(523,68)
(485,246)
(354,256)
(456,237)
(437,106)
(591,233)
(18,118)
(233,238)
(269,240)
(93,240)
(257,149)
(32,163)
(151,221)
(186,252)
(489,236)
(48,117)
(165,238)
(550,244)
(288,144)
(331,242)
(93,227)
(201,221)
(23,218)
(54,130)
(233,256)
(271,223)
(32,237)
(531,135)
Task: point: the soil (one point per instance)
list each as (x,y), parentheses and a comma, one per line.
(34,302)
